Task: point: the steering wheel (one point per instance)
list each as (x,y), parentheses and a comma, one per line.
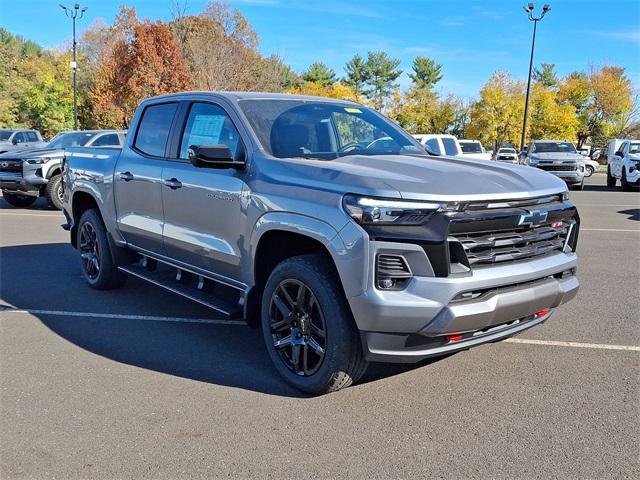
(349,146)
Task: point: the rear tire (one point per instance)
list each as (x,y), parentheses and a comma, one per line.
(96,262)
(18,200)
(53,191)
(317,319)
(611,181)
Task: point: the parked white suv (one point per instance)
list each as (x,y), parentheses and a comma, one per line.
(474,149)
(624,165)
(440,144)
(507,154)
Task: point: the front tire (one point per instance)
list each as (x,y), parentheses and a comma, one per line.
(96,262)
(18,200)
(308,328)
(54,191)
(611,181)
(589,170)
(623,182)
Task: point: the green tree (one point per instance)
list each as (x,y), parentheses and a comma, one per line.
(357,74)
(382,72)
(319,73)
(426,72)
(547,76)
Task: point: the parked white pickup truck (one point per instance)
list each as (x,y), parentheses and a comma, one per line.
(474,149)
(440,144)
(624,165)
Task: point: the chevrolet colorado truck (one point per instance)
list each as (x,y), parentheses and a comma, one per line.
(559,158)
(281,210)
(29,174)
(14,139)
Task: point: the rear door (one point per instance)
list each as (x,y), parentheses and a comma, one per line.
(205,208)
(138,178)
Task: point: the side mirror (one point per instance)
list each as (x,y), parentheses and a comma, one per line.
(15,141)
(619,154)
(213,156)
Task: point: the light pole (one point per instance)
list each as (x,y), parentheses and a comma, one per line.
(529,10)
(74,13)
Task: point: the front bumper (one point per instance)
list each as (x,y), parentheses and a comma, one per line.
(27,182)
(414,323)
(571,177)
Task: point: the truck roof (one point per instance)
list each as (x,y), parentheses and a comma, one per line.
(256,96)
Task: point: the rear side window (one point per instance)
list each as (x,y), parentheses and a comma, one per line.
(111,140)
(433,145)
(450,146)
(32,137)
(153,130)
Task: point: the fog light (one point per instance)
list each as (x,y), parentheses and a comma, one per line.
(386,283)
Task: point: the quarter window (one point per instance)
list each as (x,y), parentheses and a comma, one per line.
(153,131)
(208,124)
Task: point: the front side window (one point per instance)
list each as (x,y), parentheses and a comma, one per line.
(153,130)
(324,130)
(450,147)
(208,124)
(110,140)
(19,137)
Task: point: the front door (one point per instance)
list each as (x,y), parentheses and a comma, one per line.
(205,208)
(138,179)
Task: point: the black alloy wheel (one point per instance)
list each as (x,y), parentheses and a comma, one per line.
(298,327)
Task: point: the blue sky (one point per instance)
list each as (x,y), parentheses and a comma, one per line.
(471,39)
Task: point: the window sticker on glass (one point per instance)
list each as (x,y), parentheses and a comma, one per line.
(206,129)
(352,110)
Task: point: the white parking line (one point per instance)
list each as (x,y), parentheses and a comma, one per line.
(12,214)
(608,230)
(598,346)
(62,313)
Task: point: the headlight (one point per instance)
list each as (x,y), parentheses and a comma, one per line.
(382,211)
(533,161)
(565,195)
(38,161)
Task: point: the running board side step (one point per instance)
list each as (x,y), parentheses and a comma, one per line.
(227,302)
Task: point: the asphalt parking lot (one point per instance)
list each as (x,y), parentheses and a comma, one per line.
(133,383)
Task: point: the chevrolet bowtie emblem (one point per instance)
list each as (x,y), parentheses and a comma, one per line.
(534,217)
(4,164)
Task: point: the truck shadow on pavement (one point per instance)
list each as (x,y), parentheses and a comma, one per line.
(228,355)
(633,214)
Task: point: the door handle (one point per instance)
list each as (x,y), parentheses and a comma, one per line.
(126,176)
(173,183)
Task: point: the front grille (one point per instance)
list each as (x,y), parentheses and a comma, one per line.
(13,166)
(482,248)
(513,231)
(559,168)
(501,157)
(10,175)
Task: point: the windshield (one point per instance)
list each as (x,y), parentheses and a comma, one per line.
(471,147)
(506,150)
(324,130)
(634,148)
(70,139)
(5,135)
(548,147)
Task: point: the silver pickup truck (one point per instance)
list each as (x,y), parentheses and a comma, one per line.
(285,211)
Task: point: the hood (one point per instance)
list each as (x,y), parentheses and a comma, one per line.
(35,153)
(634,156)
(557,156)
(423,178)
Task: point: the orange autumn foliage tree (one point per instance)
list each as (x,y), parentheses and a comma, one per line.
(147,64)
